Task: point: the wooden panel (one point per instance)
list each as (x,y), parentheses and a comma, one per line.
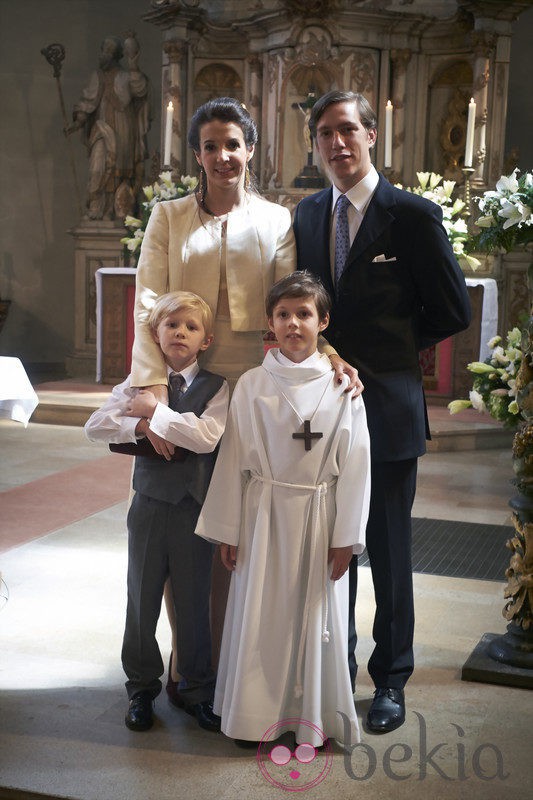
(117,310)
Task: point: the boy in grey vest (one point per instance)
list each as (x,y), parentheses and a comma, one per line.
(169,491)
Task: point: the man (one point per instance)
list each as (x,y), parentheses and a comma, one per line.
(114,112)
(396,288)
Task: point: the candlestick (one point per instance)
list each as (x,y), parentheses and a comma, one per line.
(168,135)
(467,172)
(387,162)
(469,151)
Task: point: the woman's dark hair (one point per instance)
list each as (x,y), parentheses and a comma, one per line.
(224,109)
(366,112)
(299,284)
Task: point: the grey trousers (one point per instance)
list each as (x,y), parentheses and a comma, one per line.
(162,543)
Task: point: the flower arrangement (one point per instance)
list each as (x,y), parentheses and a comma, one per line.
(494,388)
(164,189)
(506,220)
(430,187)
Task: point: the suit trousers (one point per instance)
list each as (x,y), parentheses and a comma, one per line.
(388,543)
(161,544)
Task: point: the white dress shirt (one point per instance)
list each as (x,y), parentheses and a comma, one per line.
(359,196)
(199,434)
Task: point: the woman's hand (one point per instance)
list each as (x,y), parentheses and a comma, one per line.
(341,368)
(143,404)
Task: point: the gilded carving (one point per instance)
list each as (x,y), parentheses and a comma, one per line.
(312,8)
(363,73)
(482,80)
(452,136)
(483,43)
(314,47)
(400,60)
(175,51)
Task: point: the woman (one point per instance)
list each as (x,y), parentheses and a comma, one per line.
(227,244)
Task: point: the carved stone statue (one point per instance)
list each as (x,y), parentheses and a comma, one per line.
(114,112)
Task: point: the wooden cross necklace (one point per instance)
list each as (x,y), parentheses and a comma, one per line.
(307,434)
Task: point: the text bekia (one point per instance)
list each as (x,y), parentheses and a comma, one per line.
(485,763)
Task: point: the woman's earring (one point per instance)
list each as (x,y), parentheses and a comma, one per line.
(202,186)
(247,177)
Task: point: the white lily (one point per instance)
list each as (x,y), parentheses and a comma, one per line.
(514,213)
(508,183)
(477,401)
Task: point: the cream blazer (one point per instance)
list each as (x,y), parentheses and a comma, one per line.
(182,251)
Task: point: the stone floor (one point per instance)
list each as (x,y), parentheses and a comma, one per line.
(62,700)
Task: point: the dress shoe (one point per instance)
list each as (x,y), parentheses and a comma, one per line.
(387,711)
(139,716)
(247,744)
(174,696)
(205,716)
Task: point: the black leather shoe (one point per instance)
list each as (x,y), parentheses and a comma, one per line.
(205,716)
(387,711)
(174,696)
(139,716)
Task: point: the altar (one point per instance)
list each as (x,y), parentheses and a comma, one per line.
(443,366)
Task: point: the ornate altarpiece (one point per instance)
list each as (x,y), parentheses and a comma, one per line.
(427,56)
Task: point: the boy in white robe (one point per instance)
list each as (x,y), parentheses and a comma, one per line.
(288,503)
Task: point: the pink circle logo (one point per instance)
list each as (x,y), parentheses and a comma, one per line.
(299,769)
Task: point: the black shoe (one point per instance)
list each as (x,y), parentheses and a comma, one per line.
(174,696)
(205,716)
(139,716)
(387,711)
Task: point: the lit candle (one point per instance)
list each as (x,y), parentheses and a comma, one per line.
(469,151)
(388,134)
(168,135)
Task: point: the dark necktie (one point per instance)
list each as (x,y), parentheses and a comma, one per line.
(176,384)
(342,238)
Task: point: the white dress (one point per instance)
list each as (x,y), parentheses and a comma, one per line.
(284,649)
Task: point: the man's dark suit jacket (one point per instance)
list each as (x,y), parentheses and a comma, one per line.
(402,291)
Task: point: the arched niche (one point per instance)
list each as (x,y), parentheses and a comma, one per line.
(449,93)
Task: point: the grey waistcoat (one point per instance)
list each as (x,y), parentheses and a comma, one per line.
(172,480)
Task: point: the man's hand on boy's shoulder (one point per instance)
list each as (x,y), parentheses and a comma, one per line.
(341,368)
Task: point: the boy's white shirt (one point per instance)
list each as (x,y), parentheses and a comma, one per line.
(199,434)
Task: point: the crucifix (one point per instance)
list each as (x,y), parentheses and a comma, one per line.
(307,435)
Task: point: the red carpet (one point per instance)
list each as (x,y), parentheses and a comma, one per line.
(47,504)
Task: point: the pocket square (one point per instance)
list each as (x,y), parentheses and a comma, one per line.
(382,258)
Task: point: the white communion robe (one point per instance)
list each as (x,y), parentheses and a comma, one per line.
(284,652)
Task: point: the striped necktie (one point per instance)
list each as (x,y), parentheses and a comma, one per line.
(176,383)
(342,238)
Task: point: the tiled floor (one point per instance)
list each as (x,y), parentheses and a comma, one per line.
(62,699)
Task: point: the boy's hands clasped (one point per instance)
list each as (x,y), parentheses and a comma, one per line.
(143,405)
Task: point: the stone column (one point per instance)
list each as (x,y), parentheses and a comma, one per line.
(254,100)
(483,44)
(172,81)
(400,60)
(97,244)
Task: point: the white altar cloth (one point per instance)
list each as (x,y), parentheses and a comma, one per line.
(489,312)
(18,400)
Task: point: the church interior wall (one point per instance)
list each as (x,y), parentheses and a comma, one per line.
(38,203)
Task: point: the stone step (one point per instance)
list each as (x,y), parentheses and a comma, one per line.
(71,402)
